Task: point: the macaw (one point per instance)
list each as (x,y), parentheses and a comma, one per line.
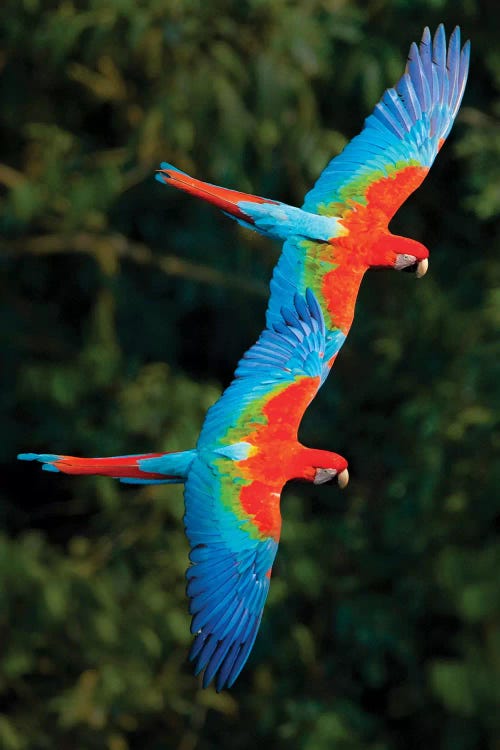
(342,228)
(247,450)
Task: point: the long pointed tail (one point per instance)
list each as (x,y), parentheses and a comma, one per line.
(270,218)
(143,468)
(227,200)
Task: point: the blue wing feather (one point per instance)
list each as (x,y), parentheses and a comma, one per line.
(295,344)
(227,583)
(407,126)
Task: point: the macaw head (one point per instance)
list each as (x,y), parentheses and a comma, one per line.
(320,467)
(401,253)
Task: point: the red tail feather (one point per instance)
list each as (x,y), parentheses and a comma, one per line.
(225,199)
(117,466)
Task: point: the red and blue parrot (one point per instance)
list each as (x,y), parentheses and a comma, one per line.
(342,228)
(247,450)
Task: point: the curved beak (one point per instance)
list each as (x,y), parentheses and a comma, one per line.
(410,264)
(343,479)
(422,267)
(328,475)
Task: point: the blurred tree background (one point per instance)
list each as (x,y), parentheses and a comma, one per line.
(124,308)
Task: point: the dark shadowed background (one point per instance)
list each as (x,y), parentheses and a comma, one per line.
(124,308)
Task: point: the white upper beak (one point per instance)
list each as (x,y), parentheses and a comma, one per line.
(422,267)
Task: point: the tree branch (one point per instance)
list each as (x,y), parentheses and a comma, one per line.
(108,250)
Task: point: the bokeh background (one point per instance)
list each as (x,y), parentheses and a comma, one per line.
(124,308)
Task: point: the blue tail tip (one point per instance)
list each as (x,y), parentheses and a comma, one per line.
(165,166)
(42,457)
(50,467)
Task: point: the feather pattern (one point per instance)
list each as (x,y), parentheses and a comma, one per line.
(232,514)
(294,348)
(410,123)
(228,585)
(141,468)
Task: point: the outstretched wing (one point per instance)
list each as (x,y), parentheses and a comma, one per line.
(228,580)
(276,379)
(232,515)
(389,159)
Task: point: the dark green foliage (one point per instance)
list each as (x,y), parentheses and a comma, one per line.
(124,308)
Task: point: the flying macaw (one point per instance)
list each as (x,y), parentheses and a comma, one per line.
(342,228)
(247,450)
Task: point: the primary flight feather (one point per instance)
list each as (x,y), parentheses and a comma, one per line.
(246,452)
